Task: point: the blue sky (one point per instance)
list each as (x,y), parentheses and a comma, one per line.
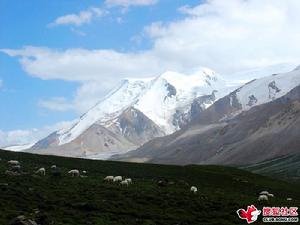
(59,57)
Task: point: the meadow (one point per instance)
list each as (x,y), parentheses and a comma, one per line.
(60,199)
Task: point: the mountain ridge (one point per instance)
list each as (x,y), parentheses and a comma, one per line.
(217,130)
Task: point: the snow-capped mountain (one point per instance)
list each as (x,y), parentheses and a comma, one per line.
(266,89)
(157,98)
(253,93)
(257,121)
(155,106)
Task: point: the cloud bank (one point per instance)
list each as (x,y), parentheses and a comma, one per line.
(226,36)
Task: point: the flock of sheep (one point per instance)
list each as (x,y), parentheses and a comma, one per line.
(265,195)
(16,167)
(118,179)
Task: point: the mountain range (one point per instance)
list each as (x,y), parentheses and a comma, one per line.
(136,112)
(256,122)
(199,118)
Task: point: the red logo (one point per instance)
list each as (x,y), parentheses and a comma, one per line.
(250,215)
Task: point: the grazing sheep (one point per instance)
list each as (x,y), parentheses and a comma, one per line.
(129,180)
(16,168)
(289,199)
(11,173)
(263,198)
(41,171)
(194,189)
(124,183)
(84,172)
(117,179)
(264,193)
(13,162)
(109,178)
(74,173)
(163,183)
(271,195)
(53,167)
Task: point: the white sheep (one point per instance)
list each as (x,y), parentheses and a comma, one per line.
(16,168)
(263,198)
(271,195)
(84,172)
(264,193)
(289,199)
(53,167)
(74,173)
(124,183)
(194,189)
(41,171)
(129,180)
(13,162)
(109,178)
(117,179)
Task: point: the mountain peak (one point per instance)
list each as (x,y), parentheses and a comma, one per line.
(158,98)
(297,68)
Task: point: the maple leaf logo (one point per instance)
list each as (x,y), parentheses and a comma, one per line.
(250,215)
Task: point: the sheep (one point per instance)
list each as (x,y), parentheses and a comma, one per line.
(264,193)
(84,172)
(16,168)
(271,195)
(163,183)
(124,182)
(263,198)
(13,162)
(289,199)
(129,180)
(11,173)
(53,167)
(109,178)
(117,179)
(74,173)
(41,171)
(194,189)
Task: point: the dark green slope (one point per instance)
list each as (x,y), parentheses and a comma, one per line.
(66,200)
(285,167)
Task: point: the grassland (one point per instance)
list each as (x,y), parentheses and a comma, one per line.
(66,200)
(285,168)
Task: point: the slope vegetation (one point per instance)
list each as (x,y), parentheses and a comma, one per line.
(88,200)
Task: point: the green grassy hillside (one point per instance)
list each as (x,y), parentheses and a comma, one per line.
(285,167)
(66,200)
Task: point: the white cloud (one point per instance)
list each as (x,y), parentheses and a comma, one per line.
(79,19)
(56,104)
(20,137)
(85,65)
(225,35)
(128,3)
(1,84)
